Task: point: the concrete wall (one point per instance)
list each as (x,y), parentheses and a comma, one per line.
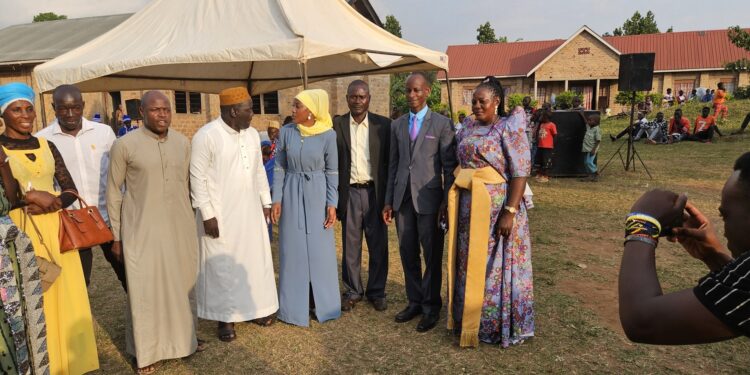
(571,64)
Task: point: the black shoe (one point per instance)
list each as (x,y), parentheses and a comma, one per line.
(612,137)
(428,322)
(379,304)
(407,314)
(347,303)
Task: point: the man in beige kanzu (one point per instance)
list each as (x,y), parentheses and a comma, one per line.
(148,200)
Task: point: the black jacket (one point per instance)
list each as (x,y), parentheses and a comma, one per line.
(380,135)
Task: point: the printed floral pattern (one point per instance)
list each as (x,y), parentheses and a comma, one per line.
(507,312)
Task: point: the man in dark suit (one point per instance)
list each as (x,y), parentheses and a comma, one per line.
(420,173)
(362,140)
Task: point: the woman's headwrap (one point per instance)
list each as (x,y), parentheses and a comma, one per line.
(14,91)
(316,100)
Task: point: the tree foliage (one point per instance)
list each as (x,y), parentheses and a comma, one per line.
(637,25)
(741,39)
(564,100)
(392,25)
(486,35)
(49,16)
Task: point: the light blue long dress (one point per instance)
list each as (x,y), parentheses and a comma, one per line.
(305,181)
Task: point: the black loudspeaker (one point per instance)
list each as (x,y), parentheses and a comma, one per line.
(636,72)
(567,158)
(132,107)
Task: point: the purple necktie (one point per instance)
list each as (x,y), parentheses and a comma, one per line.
(413,131)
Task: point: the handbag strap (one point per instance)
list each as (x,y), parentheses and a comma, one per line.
(75,194)
(38,233)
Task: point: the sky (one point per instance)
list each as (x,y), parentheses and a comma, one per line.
(436,24)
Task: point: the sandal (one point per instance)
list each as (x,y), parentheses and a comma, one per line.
(202,345)
(265,322)
(226,332)
(146,370)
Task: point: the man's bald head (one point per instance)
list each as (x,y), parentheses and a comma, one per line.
(68,104)
(64,90)
(157,112)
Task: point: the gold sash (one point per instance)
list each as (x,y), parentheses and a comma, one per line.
(479,232)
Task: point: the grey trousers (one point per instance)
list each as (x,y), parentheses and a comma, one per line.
(362,215)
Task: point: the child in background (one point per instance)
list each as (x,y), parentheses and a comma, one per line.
(590,146)
(269,160)
(720,109)
(546,143)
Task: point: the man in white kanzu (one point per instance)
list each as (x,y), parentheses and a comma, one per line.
(229,188)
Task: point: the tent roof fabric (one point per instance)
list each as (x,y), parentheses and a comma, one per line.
(208,45)
(689,50)
(42,41)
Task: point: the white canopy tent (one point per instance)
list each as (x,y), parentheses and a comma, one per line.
(208,45)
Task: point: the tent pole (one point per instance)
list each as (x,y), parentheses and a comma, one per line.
(450,95)
(304,75)
(43,110)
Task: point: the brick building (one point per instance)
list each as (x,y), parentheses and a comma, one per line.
(589,64)
(22,47)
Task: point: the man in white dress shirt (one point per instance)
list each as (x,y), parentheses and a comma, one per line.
(229,188)
(84,146)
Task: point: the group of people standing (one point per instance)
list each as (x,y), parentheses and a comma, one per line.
(190,220)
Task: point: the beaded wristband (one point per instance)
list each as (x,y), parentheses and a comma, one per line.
(639,227)
(643,217)
(641,238)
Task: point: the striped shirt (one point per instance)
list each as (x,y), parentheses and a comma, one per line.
(726,293)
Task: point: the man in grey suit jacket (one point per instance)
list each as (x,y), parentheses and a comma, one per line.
(420,173)
(362,140)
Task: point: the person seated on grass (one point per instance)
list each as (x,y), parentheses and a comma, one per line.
(657,130)
(718,307)
(679,127)
(668,99)
(638,129)
(745,122)
(693,97)
(704,128)
(681,98)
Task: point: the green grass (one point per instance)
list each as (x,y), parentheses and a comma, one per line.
(577,245)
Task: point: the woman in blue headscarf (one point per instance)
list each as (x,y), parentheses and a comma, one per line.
(38,167)
(22,324)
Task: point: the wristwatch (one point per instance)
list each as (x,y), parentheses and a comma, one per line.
(510,209)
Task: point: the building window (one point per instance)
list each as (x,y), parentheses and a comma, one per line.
(541,95)
(195,102)
(467,95)
(257,105)
(729,84)
(187,102)
(266,104)
(686,85)
(180,102)
(271,103)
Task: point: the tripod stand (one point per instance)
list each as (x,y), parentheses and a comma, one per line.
(632,153)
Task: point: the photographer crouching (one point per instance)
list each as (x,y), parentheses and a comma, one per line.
(718,307)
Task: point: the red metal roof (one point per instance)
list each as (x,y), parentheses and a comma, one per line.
(498,59)
(689,50)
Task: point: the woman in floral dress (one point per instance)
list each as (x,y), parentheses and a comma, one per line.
(494,140)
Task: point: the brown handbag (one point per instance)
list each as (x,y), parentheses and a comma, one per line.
(83,227)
